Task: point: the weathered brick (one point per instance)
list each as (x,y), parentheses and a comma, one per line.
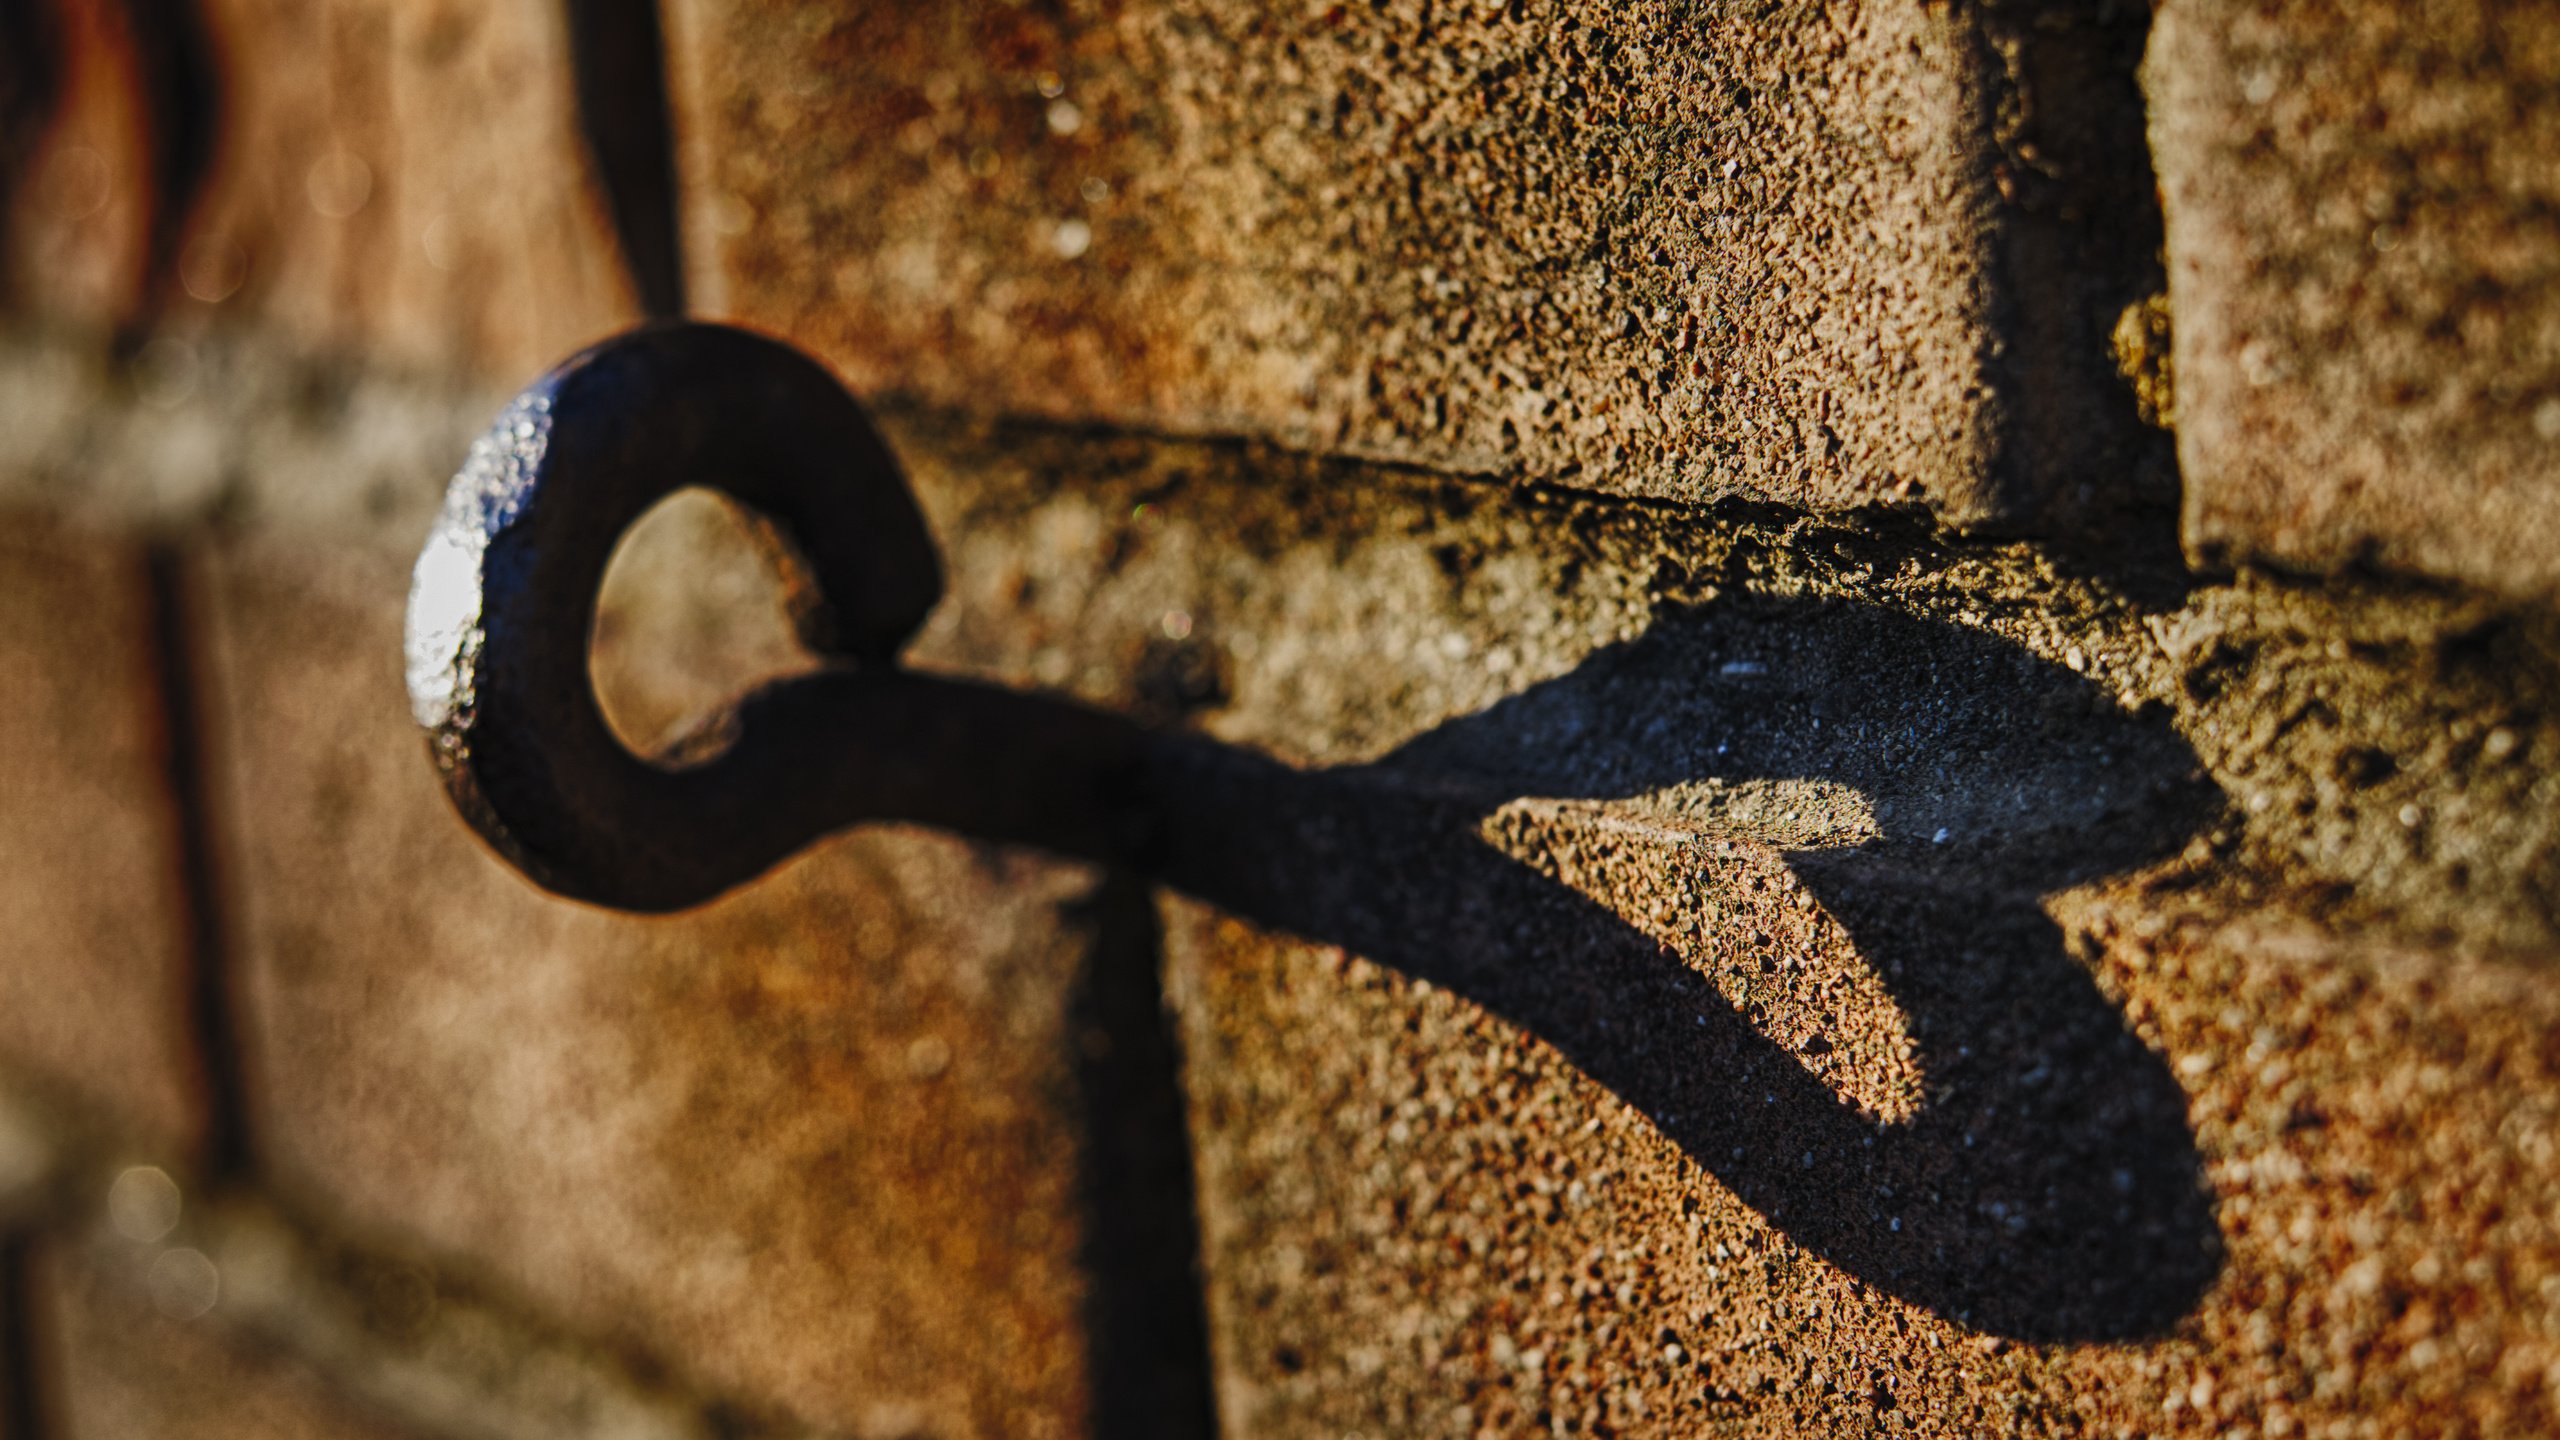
(96,996)
(1931,872)
(815,1144)
(1648,249)
(121,1364)
(403,180)
(2365,279)
(1437,1207)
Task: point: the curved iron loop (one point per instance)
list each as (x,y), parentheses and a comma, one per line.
(502,606)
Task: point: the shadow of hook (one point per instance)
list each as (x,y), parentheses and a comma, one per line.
(2045,1184)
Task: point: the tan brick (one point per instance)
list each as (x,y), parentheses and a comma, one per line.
(1638,248)
(406,181)
(815,1144)
(119,1366)
(1461,973)
(1425,1216)
(95,994)
(2365,278)
(78,227)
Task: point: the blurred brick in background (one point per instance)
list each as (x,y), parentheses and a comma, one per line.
(402,181)
(2365,262)
(97,996)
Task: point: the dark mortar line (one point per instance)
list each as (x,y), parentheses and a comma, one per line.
(618,53)
(2134,584)
(1512,486)
(212,1014)
(182,102)
(22,1388)
(1146,1313)
(898,405)
(2151,570)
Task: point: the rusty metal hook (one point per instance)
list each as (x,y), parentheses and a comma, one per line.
(503,603)
(1389,859)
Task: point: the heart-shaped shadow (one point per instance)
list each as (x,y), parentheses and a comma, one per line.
(2003,1149)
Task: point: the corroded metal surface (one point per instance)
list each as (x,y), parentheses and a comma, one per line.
(503,601)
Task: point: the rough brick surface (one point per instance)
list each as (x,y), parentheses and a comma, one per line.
(814,1144)
(1635,848)
(2364,246)
(121,1366)
(94,994)
(404,180)
(1437,1223)
(1659,250)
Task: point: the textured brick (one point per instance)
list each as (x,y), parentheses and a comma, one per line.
(120,1367)
(95,992)
(1427,1218)
(2365,276)
(1929,840)
(405,180)
(815,1144)
(1659,250)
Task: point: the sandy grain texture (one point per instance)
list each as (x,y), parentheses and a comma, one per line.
(1663,250)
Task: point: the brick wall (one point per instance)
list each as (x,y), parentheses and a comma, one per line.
(1917,647)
